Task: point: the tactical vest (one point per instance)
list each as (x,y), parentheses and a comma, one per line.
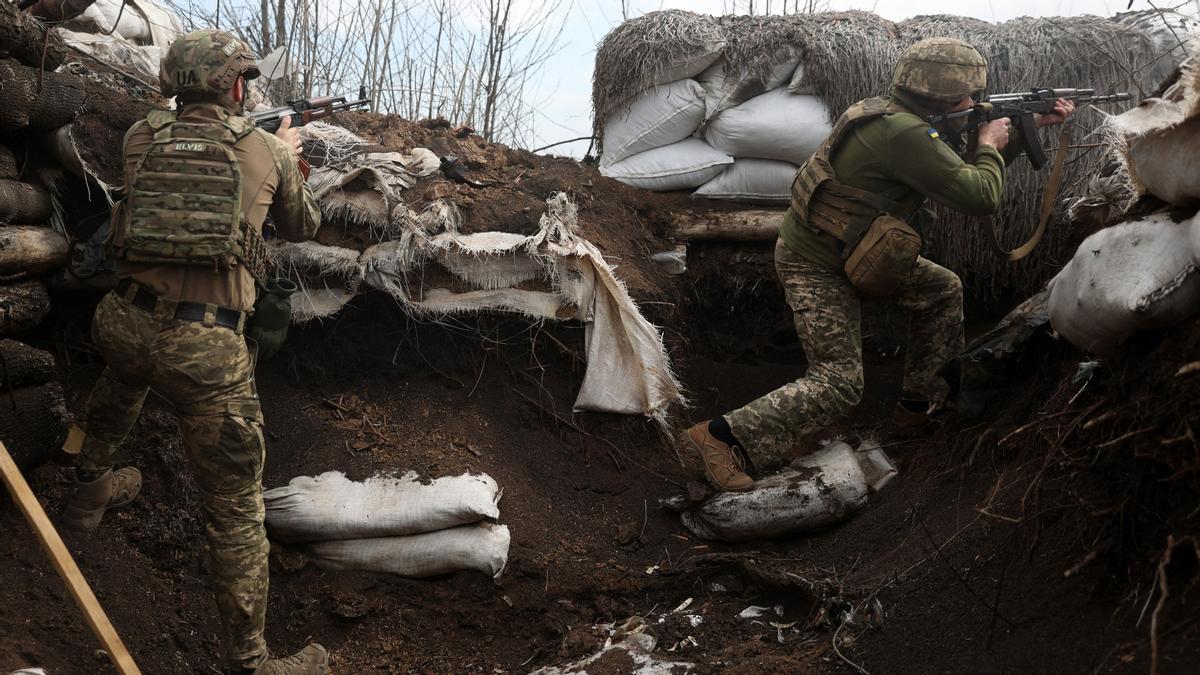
(185,203)
(823,202)
(880,248)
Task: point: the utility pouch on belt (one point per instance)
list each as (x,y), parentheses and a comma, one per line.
(272,314)
(884,257)
(880,249)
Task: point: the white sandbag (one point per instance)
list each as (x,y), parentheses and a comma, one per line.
(680,166)
(723,91)
(776,125)
(766,181)
(1167,163)
(482,547)
(119,52)
(332,506)
(824,488)
(1139,275)
(687,64)
(142,21)
(661,116)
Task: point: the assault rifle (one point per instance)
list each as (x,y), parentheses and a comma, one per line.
(1019,107)
(305,110)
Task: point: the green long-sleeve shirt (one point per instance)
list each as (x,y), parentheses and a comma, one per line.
(901,150)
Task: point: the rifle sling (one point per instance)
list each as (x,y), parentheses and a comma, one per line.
(1048,197)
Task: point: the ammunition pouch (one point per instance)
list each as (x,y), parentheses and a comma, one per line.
(884,257)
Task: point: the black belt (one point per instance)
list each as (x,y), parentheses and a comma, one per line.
(143,299)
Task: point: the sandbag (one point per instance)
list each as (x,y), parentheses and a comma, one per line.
(1139,275)
(33,422)
(776,125)
(39,100)
(482,547)
(765,181)
(141,21)
(118,52)
(23,305)
(331,506)
(680,166)
(23,203)
(724,90)
(1167,163)
(25,39)
(29,249)
(661,116)
(22,365)
(824,488)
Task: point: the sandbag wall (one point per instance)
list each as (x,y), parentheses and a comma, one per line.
(726,105)
(1143,272)
(50,205)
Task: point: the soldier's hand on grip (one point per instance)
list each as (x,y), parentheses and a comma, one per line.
(289,135)
(994,133)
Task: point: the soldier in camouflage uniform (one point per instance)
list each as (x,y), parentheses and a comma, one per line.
(199,183)
(881,151)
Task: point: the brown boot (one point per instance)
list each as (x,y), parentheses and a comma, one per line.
(911,424)
(312,660)
(725,468)
(111,490)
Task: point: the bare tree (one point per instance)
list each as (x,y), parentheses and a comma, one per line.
(474,61)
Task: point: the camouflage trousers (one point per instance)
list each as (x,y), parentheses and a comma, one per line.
(827,313)
(206,372)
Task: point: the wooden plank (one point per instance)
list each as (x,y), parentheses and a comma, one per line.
(754,225)
(65,565)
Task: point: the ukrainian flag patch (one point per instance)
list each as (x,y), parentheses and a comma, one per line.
(933,134)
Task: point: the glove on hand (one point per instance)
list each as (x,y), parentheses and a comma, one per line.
(272,313)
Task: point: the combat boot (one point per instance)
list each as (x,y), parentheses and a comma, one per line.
(724,466)
(312,660)
(92,498)
(914,424)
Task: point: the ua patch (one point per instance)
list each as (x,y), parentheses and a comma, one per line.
(933,134)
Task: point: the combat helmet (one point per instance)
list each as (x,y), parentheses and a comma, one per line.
(941,69)
(206,63)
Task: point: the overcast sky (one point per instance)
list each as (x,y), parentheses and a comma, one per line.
(566,111)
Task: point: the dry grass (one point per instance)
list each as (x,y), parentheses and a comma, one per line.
(634,55)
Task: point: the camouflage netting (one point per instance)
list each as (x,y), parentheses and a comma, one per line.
(847,56)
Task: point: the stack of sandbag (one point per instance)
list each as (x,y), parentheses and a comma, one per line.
(816,492)
(29,247)
(388,525)
(1142,273)
(704,120)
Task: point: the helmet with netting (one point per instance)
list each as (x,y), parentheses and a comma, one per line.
(941,69)
(206,63)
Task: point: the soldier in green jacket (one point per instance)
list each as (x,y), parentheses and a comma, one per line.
(881,152)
